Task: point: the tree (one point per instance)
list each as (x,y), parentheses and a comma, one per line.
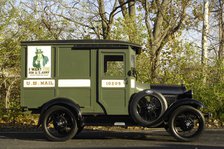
(9,66)
(204,56)
(216,38)
(41,12)
(221,31)
(163,20)
(106,21)
(129,13)
(90,19)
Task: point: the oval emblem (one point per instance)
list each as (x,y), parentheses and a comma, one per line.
(148,91)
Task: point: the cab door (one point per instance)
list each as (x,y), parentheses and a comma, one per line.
(113,81)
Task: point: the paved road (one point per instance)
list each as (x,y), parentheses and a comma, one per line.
(213,138)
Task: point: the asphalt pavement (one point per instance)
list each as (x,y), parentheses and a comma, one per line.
(101,139)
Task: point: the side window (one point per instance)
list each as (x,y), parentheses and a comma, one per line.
(114,66)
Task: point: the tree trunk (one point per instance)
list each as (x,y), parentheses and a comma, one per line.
(221,33)
(220,61)
(204,56)
(123,8)
(8,93)
(130,18)
(103,18)
(131,8)
(161,28)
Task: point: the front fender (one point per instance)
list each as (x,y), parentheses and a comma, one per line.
(187,101)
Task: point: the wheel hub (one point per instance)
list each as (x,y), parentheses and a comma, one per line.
(61,122)
(149,107)
(187,125)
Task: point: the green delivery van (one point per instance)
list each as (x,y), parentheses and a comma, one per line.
(74,83)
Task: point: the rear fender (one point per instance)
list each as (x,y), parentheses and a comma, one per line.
(62,102)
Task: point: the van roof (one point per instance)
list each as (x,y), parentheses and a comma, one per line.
(87,44)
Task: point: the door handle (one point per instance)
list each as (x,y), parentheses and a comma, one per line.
(126,81)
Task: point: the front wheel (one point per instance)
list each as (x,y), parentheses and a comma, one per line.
(186,123)
(59,124)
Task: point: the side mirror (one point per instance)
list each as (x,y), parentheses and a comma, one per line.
(129,73)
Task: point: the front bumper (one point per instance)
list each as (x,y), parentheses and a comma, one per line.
(208,115)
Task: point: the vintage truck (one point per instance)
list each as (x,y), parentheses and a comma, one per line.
(74,83)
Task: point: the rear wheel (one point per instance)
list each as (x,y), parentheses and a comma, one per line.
(186,123)
(59,124)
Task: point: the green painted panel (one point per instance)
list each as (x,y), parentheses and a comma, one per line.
(114,100)
(80,95)
(73,63)
(36,97)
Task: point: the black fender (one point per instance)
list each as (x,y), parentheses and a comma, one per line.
(181,102)
(68,103)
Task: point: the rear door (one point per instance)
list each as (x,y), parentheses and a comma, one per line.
(113,81)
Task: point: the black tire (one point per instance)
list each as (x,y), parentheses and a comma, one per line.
(80,129)
(186,123)
(147,107)
(59,124)
(166,127)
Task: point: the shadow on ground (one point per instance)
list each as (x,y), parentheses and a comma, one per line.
(93,135)
(100,139)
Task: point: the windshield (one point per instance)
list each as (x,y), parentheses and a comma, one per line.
(133,61)
(133,71)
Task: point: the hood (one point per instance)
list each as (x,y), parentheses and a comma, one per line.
(163,89)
